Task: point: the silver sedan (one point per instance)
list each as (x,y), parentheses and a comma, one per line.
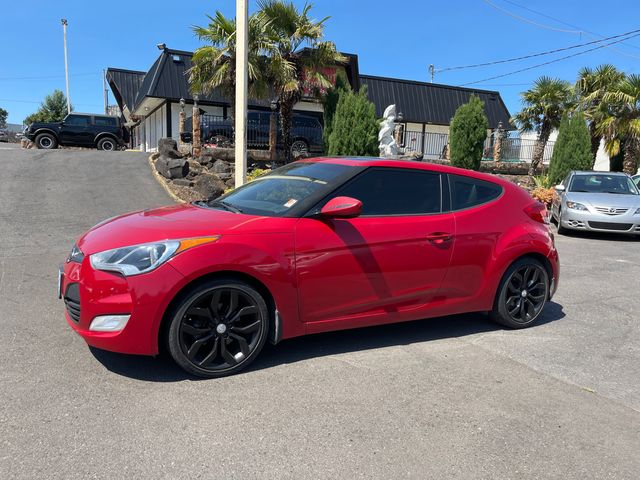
(598,202)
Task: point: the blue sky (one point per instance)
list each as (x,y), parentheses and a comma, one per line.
(398,39)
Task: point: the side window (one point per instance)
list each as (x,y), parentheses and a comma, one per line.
(395,191)
(468,192)
(77,120)
(105,122)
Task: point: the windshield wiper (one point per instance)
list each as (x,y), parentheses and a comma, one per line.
(619,193)
(224,205)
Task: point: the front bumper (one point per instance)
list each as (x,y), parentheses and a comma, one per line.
(89,293)
(597,222)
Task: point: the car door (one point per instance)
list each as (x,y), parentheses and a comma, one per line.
(383,266)
(76,130)
(557,199)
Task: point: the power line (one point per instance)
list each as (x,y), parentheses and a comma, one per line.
(526,20)
(549,62)
(540,54)
(560,21)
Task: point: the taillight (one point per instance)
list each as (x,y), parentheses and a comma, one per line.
(537,211)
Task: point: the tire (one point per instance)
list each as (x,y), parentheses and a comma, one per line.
(561,229)
(108,144)
(517,305)
(299,148)
(214,342)
(46,141)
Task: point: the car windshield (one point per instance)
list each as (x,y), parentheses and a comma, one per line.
(276,193)
(602,183)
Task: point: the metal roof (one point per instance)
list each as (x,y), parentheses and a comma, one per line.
(423,102)
(125,85)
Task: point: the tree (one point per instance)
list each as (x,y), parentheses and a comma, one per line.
(467,134)
(572,150)
(620,122)
(354,126)
(544,105)
(590,89)
(329,105)
(214,65)
(3,117)
(297,56)
(52,109)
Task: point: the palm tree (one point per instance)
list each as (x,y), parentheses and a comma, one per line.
(620,122)
(590,88)
(296,59)
(214,65)
(544,105)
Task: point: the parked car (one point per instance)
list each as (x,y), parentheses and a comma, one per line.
(597,201)
(636,180)
(314,246)
(79,130)
(306,131)
(4,135)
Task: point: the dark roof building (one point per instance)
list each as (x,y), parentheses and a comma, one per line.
(152,98)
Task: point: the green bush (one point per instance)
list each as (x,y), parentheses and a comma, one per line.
(572,150)
(329,108)
(467,134)
(354,126)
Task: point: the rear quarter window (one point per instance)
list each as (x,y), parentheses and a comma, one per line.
(469,192)
(105,122)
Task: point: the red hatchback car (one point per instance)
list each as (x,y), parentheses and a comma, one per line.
(316,245)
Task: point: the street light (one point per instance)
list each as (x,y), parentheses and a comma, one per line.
(66,62)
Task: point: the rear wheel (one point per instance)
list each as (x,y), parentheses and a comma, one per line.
(46,141)
(107,143)
(522,294)
(219,328)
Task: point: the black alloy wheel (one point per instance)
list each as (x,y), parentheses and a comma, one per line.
(523,293)
(107,144)
(219,328)
(299,148)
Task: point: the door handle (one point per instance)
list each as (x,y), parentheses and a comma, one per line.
(439,237)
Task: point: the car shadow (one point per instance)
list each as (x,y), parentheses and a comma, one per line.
(600,236)
(163,369)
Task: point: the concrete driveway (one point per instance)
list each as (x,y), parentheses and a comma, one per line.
(454,397)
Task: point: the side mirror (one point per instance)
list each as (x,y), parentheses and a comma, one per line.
(559,188)
(342,207)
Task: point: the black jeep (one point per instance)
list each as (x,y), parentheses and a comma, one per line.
(79,130)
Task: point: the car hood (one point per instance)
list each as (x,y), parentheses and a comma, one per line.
(604,199)
(174,222)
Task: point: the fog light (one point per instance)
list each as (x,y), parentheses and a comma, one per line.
(109,323)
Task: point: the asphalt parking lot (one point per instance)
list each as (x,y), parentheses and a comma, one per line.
(454,397)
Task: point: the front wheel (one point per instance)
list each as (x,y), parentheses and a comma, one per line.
(218,329)
(299,148)
(46,141)
(522,295)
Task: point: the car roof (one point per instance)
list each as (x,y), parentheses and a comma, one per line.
(420,165)
(593,172)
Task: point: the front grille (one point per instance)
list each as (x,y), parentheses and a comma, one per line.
(611,226)
(611,210)
(72,301)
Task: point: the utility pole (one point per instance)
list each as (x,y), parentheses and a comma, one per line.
(66,63)
(432,71)
(106,93)
(242,86)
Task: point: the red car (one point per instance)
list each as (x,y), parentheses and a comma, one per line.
(314,246)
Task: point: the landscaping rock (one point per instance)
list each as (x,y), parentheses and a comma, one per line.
(167,147)
(183,182)
(209,186)
(231,183)
(224,176)
(195,167)
(220,166)
(172,167)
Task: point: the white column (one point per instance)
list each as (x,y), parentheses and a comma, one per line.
(242,85)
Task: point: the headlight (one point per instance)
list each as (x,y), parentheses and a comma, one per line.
(576,206)
(138,259)
(76,255)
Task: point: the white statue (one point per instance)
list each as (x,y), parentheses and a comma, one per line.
(388,146)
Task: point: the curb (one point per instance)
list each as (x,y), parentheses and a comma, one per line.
(162,183)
